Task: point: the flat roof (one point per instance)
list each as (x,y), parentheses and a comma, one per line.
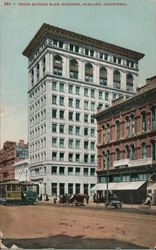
(47,29)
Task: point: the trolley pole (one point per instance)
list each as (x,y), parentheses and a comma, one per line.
(107,185)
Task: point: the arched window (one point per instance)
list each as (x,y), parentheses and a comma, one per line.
(127,126)
(129,82)
(88,72)
(117,130)
(153,117)
(127,152)
(103,159)
(143,120)
(143,150)
(103,76)
(133,152)
(73,68)
(117,154)
(108,133)
(103,134)
(132,125)
(57,68)
(153,150)
(108,158)
(116,79)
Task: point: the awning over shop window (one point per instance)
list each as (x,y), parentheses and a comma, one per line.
(118,186)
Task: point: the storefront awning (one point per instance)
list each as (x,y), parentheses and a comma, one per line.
(118,186)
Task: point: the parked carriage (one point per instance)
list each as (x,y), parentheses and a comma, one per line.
(18,193)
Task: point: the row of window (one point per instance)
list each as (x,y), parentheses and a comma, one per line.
(71,116)
(129,126)
(129,150)
(38,131)
(72,188)
(84,51)
(61,157)
(123,178)
(72,171)
(60,128)
(89,73)
(72,143)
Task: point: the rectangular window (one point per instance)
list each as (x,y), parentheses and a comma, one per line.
(70,171)
(127,126)
(85,92)
(71,47)
(55,43)
(70,89)
(54,155)
(61,101)
(92,132)
(61,156)
(54,97)
(106,96)
(77,130)
(70,116)
(54,170)
(61,143)
(54,142)
(70,102)
(117,130)
(54,127)
(100,94)
(61,171)
(61,87)
(77,171)
(91,53)
(54,188)
(92,93)
(77,117)
(77,92)
(54,85)
(61,128)
(85,188)
(77,188)
(143,116)
(92,171)
(70,143)
(70,157)
(76,49)
(92,145)
(92,118)
(86,131)
(92,106)
(61,114)
(70,130)
(61,185)
(106,57)
(70,188)
(85,144)
(85,171)
(77,157)
(54,113)
(60,44)
(77,104)
(86,158)
(101,56)
(77,144)
(86,52)
(92,158)
(85,118)
(85,105)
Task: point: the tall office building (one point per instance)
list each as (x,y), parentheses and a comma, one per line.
(70,76)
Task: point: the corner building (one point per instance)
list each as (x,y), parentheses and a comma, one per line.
(70,75)
(127,145)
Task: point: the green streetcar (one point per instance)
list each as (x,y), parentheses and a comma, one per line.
(18,193)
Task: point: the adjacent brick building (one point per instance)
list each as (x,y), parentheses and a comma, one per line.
(127,142)
(10,153)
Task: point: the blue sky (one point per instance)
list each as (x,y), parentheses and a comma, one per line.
(132,26)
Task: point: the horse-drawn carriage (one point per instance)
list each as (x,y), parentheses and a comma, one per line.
(76,200)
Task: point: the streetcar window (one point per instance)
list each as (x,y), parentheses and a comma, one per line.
(9,187)
(13,187)
(18,188)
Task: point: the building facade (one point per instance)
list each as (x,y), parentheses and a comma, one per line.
(22,170)
(10,153)
(70,75)
(127,143)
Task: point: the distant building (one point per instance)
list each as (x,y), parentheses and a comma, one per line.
(127,144)
(10,153)
(70,75)
(22,170)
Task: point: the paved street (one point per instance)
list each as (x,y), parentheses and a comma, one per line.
(74,227)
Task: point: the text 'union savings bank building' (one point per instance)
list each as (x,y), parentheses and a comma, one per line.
(70,75)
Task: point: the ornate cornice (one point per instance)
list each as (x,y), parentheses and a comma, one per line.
(47,30)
